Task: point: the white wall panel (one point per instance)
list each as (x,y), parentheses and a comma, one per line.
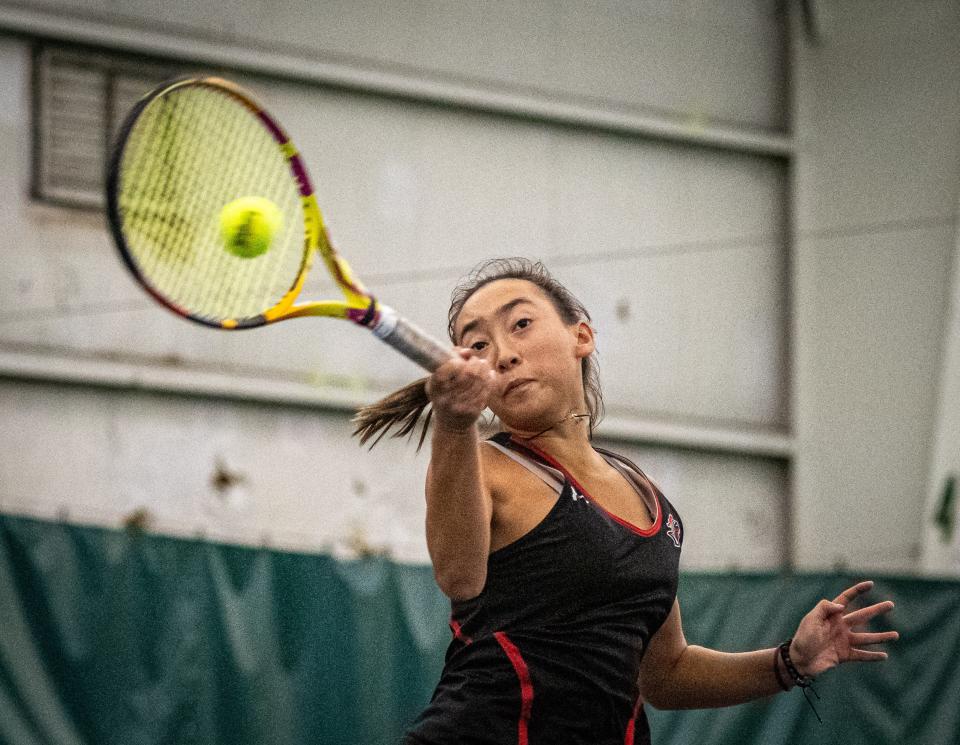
(670,56)
(878,106)
(941,543)
(695,336)
(619,194)
(871,376)
(14,151)
(98,456)
(664,57)
(301,481)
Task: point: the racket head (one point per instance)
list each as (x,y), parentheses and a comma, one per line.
(186,149)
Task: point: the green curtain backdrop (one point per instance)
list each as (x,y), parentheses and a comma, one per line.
(110,638)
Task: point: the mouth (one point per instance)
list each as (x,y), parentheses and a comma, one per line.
(516,384)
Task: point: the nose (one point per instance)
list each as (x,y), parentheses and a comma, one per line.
(506,358)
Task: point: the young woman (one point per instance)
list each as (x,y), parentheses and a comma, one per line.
(560,558)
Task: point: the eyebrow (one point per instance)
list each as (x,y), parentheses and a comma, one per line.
(501,311)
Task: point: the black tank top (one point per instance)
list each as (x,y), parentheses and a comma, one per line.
(549,652)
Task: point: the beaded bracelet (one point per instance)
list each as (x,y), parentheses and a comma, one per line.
(776,670)
(802,681)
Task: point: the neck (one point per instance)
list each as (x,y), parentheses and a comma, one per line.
(568,441)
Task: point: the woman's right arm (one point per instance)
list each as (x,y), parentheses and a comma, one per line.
(459,502)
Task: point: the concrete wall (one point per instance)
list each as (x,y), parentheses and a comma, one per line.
(767,262)
(720,61)
(941,537)
(878,106)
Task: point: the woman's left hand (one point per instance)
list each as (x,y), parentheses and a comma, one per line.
(828,635)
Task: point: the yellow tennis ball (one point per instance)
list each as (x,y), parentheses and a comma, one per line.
(248,226)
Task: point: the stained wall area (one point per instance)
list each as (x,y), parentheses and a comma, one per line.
(757,204)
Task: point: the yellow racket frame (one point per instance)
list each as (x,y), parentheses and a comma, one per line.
(358,305)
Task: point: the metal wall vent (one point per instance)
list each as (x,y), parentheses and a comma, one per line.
(80,99)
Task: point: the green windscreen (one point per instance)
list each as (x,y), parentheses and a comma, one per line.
(110,638)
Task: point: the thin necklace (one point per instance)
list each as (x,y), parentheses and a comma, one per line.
(569,416)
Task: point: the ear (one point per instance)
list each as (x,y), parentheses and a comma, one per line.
(585,342)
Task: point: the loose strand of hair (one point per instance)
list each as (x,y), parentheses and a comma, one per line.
(400,410)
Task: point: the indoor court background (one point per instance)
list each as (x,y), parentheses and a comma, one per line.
(756,199)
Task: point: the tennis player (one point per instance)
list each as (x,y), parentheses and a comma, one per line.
(560,558)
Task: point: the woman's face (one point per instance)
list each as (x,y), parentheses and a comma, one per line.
(514,325)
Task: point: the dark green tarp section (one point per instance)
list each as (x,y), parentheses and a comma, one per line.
(108,637)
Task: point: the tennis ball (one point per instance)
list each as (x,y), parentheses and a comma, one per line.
(248,226)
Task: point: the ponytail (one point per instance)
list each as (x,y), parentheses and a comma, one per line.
(401,409)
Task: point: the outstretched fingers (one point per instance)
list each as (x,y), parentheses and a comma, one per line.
(852,593)
(863,615)
(866,638)
(858,638)
(862,655)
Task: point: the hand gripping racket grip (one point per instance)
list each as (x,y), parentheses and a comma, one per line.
(410,341)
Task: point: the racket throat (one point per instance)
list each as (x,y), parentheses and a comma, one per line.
(384,322)
(373,314)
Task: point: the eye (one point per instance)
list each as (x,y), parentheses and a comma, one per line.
(523,323)
(478,346)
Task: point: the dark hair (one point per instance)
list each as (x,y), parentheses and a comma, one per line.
(404,407)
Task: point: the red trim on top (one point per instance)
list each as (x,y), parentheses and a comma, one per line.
(645,532)
(458,631)
(631,725)
(526,685)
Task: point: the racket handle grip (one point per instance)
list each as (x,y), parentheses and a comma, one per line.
(410,341)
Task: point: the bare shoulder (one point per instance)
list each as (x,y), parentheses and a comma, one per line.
(520,499)
(506,479)
(498,471)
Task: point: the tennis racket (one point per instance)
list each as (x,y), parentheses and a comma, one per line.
(188,149)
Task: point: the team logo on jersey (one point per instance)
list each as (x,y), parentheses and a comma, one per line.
(674,530)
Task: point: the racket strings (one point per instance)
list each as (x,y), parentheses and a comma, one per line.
(236,170)
(192,151)
(170,231)
(162,213)
(278,277)
(274,182)
(236,280)
(156,215)
(242,278)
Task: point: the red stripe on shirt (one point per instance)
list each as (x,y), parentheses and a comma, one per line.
(458,631)
(646,533)
(631,725)
(526,685)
